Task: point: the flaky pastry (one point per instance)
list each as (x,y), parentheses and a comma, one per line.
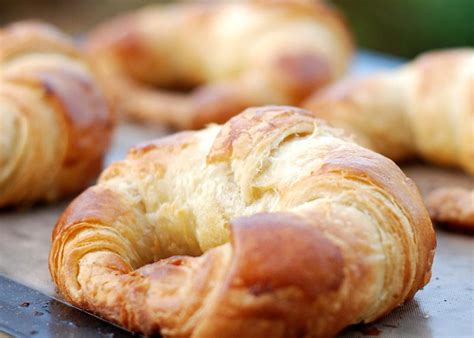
(424,109)
(271,225)
(227,55)
(54,121)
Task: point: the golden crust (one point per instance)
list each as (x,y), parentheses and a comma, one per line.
(453,207)
(56,124)
(410,111)
(447,194)
(233,55)
(295,231)
(413,111)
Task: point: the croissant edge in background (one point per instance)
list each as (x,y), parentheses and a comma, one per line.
(424,109)
(228,56)
(271,225)
(54,122)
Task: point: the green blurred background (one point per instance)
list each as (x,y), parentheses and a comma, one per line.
(399,27)
(408,27)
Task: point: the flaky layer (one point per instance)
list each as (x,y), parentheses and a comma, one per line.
(229,56)
(54,121)
(425,109)
(272,225)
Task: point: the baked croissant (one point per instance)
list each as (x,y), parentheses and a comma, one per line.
(228,56)
(452,206)
(272,225)
(423,109)
(54,121)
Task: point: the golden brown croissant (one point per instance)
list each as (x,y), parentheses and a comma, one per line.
(452,206)
(54,121)
(448,195)
(272,225)
(229,55)
(424,109)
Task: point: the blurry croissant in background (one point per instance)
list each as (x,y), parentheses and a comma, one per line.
(54,122)
(227,55)
(424,109)
(299,232)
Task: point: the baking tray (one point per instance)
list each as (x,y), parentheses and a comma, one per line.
(443,309)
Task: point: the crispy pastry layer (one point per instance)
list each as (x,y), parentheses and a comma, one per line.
(424,109)
(54,121)
(229,56)
(272,225)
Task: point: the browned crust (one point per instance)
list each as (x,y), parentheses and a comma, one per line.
(284,274)
(74,95)
(253,123)
(123,54)
(365,164)
(95,206)
(284,288)
(413,111)
(453,207)
(92,206)
(309,256)
(86,115)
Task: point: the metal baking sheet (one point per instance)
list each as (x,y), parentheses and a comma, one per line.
(443,309)
(25,312)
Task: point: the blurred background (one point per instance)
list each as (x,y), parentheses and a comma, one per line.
(399,27)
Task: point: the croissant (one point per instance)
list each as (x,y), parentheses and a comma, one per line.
(452,206)
(271,225)
(189,64)
(424,109)
(54,121)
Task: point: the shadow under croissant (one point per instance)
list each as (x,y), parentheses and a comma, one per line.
(389,325)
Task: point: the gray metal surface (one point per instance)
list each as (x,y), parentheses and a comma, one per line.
(25,312)
(443,309)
